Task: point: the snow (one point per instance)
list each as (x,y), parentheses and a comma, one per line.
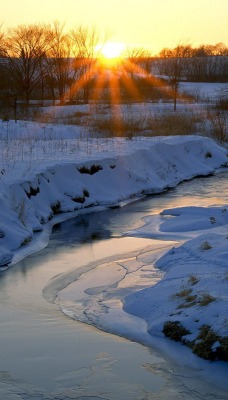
(190,267)
(204,91)
(72,181)
(133,295)
(193,289)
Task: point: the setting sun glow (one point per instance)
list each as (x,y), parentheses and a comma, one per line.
(112,50)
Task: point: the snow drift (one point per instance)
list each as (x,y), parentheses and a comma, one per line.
(147,167)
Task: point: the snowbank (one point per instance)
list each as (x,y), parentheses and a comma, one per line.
(149,166)
(190,303)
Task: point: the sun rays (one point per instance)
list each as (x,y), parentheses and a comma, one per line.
(113,79)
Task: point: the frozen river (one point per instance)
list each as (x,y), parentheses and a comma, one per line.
(46,355)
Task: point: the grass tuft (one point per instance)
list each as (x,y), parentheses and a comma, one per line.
(205,299)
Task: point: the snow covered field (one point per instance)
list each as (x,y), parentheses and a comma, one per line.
(184,281)
(204,91)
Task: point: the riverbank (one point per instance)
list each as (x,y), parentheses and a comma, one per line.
(131,169)
(154,283)
(41,346)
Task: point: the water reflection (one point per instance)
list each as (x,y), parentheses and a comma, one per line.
(113,222)
(41,346)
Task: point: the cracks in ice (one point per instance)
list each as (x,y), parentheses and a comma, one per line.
(137,271)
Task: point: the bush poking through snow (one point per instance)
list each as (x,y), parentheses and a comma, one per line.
(219,122)
(33,192)
(21,212)
(205,246)
(85,193)
(26,240)
(203,345)
(222,350)
(56,208)
(175,330)
(208,344)
(90,171)
(80,199)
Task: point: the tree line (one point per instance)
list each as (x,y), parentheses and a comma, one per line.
(43,61)
(206,63)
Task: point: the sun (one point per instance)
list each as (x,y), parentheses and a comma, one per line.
(110,54)
(112,50)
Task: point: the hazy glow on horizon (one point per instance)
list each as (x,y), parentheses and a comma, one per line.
(111,49)
(151,24)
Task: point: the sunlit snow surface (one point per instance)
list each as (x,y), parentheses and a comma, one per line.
(134,295)
(34,189)
(131,295)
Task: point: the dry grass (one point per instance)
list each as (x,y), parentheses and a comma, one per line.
(148,125)
(187,296)
(183,293)
(205,299)
(193,279)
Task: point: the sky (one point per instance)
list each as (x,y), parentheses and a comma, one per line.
(152,24)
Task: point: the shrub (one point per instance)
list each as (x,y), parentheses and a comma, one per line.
(90,171)
(32,191)
(205,246)
(56,208)
(21,211)
(79,199)
(208,344)
(26,240)
(85,193)
(222,350)
(219,121)
(175,330)
(203,344)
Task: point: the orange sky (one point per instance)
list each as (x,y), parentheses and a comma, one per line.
(147,23)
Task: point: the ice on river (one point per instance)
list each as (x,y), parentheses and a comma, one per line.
(94,293)
(134,294)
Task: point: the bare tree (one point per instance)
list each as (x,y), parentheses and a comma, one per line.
(3,74)
(26,48)
(1,42)
(59,61)
(134,57)
(85,43)
(174,61)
